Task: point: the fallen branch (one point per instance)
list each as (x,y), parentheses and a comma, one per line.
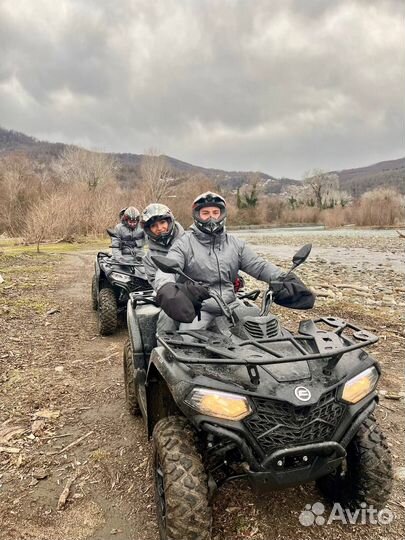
(107,357)
(354,287)
(57,436)
(74,443)
(385,407)
(402,235)
(65,493)
(9,450)
(327,294)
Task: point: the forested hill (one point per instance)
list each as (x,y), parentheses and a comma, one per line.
(355,181)
(385,173)
(44,152)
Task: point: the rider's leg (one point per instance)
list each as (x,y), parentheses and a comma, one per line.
(202,324)
(166,324)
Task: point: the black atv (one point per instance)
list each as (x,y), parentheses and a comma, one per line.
(112,283)
(250,400)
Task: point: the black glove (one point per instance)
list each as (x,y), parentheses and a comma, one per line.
(175,303)
(196,293)
(290,291)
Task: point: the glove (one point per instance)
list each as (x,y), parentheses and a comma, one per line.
(290,291)
(175,303)
(195,293)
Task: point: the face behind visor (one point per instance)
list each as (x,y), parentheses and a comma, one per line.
(211,225)
(130,217)
(156,212)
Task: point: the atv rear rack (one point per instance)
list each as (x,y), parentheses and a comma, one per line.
(311,343)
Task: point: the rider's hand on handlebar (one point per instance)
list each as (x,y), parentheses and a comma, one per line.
(277,285)
(176,303)
(196,293)
(290,291)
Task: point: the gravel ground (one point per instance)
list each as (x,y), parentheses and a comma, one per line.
(61,383)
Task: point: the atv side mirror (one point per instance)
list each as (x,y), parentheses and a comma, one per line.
(302,255)
(111,233)
(169,266)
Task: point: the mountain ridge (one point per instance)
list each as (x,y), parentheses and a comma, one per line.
(354,180)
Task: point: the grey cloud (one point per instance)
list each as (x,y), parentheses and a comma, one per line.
(280,86)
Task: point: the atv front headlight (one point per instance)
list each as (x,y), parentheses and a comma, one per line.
(219,404)
(359,386)
(120,277)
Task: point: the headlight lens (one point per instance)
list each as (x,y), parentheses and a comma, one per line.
(120,277)
(219,404)
(359,386)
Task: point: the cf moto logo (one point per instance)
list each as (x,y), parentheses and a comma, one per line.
(302,393)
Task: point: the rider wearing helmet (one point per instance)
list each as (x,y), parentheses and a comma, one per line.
(129,236)
(161,231)
(211,256)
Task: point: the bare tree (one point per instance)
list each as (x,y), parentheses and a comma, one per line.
(155,177)
(42,220)
(184,192)
(20,187)
(321,184)
(90,168)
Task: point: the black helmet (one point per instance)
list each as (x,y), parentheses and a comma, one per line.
(210,226)
(130,217)
(155,212)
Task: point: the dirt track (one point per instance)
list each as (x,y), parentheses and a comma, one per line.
(60,381)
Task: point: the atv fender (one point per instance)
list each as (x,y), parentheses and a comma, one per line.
(101,276)
(159,399)
(141,322)
(167,385)
(97,270)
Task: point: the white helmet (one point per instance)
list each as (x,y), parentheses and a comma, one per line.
(211,225)
(130,217)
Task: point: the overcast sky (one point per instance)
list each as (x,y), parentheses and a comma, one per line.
(279,86)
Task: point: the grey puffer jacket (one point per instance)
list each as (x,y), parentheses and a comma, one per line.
(215,260)
(128,241)
(158,249)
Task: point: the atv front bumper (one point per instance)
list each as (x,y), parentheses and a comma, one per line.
(298,465)
(294,465)
(285,468)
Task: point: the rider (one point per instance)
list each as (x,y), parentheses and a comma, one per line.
(213,257)
(161,231)
(129,237)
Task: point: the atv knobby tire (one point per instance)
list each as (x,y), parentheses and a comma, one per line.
(367,475)
(129,379)
(107,312)
(181,490)
(94,293)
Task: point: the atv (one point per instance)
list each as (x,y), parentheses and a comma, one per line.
(112,283)
(248,399)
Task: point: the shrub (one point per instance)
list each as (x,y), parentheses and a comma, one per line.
(380,207)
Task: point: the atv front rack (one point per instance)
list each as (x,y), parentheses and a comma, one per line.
(311,343)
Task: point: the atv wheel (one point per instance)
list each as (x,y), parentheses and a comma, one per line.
(367,474)
(129,379)
(94,293)
(107,312)
(181,490)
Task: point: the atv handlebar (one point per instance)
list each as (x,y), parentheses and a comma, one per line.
(171,266)
(222,305)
